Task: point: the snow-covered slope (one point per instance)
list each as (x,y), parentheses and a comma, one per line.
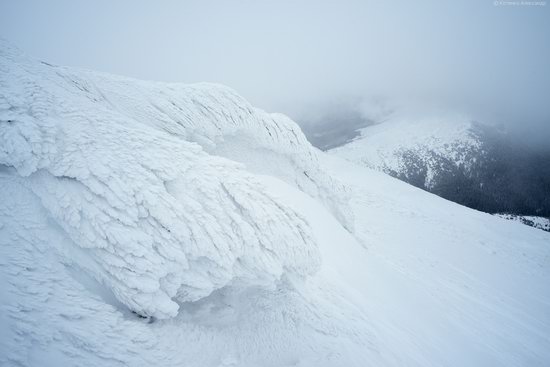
(446,285)
(230,239)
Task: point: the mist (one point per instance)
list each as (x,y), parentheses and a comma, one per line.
(308,59)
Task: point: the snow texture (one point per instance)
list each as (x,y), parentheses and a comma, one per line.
(229,238)
(159,219)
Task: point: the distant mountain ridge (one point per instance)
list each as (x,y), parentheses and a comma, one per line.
(473,164)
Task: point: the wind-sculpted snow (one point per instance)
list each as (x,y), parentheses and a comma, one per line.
(160,220)
(223,124)
(167,200)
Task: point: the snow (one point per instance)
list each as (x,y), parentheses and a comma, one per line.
(238,243)
(457,286)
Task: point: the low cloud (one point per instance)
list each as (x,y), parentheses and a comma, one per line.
(304,58)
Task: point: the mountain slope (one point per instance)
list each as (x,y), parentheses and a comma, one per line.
(161,224)
(447,285)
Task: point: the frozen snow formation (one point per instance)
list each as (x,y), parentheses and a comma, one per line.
(223,124)
(156,218)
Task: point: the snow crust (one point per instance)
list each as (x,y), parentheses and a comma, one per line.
(234,243)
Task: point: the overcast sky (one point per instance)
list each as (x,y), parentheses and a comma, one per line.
(296,56)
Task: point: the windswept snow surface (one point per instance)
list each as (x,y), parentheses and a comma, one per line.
(229,235)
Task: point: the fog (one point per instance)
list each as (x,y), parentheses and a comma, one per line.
(487,59)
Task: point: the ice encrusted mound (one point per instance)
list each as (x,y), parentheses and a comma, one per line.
(223,124)
(136,175)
